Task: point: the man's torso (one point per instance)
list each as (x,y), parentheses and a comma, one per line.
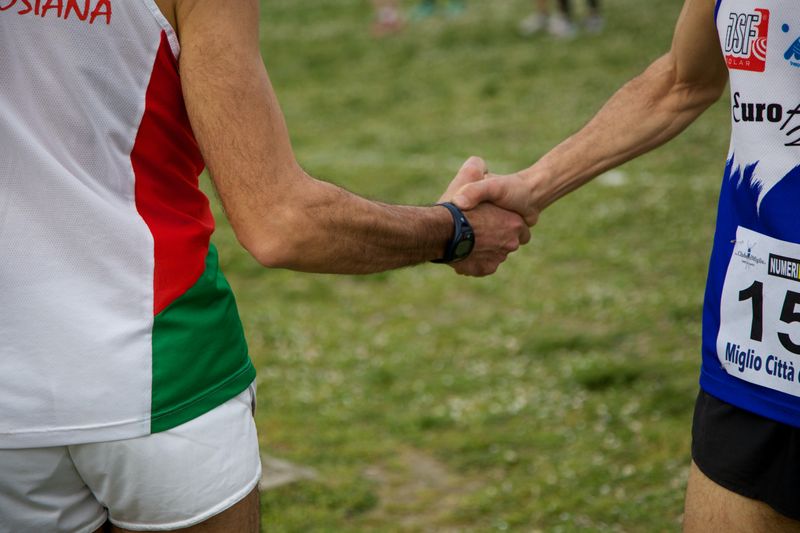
(751,339)
(115,319)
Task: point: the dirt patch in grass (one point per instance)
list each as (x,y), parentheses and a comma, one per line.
(418,492)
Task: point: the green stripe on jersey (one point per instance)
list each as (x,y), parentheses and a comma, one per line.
(200,357)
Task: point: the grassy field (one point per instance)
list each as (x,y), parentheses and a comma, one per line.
(554,396)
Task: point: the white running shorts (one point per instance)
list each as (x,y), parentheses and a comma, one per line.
(163,481)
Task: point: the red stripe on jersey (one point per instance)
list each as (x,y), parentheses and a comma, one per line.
(166,163)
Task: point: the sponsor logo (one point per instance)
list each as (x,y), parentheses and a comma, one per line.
(792,55)
(745,45)
(83,10)
(747,256)
(788,118)
(784,267)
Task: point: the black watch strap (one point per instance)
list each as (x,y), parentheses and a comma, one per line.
(463,241)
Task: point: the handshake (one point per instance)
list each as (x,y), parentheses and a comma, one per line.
(500,210)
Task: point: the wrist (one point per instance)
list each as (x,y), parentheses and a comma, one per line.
(462,239)
(539,182)
(437,231)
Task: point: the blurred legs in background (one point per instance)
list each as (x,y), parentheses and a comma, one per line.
(456,7)
(537,21)
(560,24)
(387,18)
(426,8)
(593,22)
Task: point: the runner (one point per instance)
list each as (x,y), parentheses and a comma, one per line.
(745,434)
(126,390)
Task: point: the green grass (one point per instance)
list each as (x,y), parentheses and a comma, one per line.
(554,396)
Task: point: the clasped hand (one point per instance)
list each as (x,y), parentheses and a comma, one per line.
(499,228)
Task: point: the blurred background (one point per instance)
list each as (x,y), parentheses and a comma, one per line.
(553,396)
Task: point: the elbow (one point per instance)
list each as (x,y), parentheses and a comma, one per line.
(278,229)
(699,97)
(271,253)
(709,91)
(272,244)
(269,249)
(697,91)
(717,88)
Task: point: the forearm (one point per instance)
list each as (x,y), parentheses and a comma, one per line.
(284,217)
(647,112)
(328,229)
(644,114)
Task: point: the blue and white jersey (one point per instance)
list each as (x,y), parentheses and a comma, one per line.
(751,319)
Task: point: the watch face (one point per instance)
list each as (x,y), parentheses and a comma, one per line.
(464,248)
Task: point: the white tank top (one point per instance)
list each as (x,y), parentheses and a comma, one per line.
(751,322)
(114,319)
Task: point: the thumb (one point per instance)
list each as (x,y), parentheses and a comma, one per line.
(473,194)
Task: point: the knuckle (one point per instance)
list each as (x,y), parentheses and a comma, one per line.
(465,269)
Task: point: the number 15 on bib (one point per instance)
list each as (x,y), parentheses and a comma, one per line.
(759,335)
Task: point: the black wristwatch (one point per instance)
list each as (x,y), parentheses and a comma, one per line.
(463,241)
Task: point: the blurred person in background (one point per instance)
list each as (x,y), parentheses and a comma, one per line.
(745,467)
(388,18)
(426,8)
(562,23)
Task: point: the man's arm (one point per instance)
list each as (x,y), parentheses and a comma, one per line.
(645,113)
(283,216)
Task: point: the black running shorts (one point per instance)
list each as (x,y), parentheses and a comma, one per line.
(748,454)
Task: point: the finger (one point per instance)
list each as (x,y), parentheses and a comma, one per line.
(480,267)
(472,272)
(473,169)
(487,270)
(468,268)
(525,237)
(475,164)
(460,270)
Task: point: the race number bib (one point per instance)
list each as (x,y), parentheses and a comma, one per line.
(759,335)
